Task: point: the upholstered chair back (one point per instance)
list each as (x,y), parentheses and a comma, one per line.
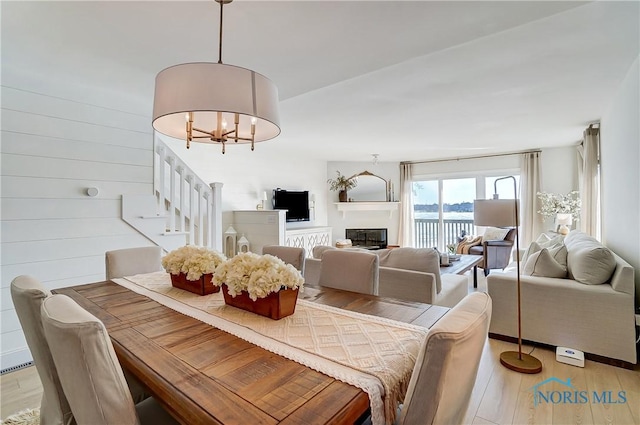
(288,254)
(355,271)
(28,294)
(131,261)
(447,365)
(88,367)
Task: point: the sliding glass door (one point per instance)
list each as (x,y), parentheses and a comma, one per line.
(443,207)
(443,211)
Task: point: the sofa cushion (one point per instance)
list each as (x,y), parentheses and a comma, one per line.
(417,259)
(494,234)
(588,261)
(547,263)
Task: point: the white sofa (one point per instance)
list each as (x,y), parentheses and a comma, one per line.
(411,274)
(591,309)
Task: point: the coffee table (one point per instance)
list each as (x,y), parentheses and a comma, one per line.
(462,265)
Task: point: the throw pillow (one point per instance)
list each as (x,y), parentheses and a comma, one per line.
(588,261)
(494,234)
(532,249)
(559,253)
(591,265)
(543,264)
(543,241)
(546,241)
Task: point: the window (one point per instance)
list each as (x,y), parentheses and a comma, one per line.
(443,207)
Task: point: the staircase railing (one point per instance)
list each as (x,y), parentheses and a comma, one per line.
(190,205)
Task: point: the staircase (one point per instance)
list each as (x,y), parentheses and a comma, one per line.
(183,209)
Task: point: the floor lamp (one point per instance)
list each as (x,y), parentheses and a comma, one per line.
(504,213)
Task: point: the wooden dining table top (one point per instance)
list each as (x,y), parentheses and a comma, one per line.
(203,375)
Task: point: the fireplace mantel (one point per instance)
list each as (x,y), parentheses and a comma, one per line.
(367,206)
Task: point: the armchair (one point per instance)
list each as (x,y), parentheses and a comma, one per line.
(496,254)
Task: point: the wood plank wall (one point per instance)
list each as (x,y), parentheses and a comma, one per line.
(54,147)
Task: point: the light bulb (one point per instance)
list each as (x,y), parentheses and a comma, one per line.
(224,124)
(254,120)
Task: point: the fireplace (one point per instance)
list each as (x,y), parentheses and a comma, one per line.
(367,238)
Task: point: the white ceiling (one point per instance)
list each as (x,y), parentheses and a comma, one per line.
(411,80)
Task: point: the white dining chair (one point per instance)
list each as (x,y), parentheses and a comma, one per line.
(88,368)
(289,254)
(355,271)
(28,294)
(131,261)
(447,365)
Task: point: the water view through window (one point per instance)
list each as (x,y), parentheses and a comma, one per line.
(443,209)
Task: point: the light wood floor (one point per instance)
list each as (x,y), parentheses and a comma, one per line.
(500,396)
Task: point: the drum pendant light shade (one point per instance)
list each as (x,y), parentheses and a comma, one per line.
(207,89)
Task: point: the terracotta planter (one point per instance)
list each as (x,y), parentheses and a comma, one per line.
(276,305)
(202,286)
(342,196)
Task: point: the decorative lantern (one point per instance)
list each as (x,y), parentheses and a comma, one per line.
(243,244)
(230,238)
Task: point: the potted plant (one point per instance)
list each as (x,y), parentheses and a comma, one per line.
(565,208)
(191,268)
(342,184)
(262,284)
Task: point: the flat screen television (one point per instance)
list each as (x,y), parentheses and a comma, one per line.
(295,202)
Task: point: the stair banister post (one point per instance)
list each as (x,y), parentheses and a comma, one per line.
(215,226)
(207,218)
(192,208)
(172,194)
(162,171)
(181,224)
(200,218)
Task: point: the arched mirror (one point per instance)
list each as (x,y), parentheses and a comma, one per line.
(370,188)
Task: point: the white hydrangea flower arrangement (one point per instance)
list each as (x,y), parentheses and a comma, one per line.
(258,275)
(192,261)
(552,204)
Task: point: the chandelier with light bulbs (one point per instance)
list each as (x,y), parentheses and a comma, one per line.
(208,102)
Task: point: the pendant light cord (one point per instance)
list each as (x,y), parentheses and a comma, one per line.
(220,42)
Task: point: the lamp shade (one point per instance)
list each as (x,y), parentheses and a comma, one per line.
(206,88)
(564,219)
(495,212)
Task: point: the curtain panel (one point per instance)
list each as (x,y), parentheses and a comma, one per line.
(589,180)
(406,226)
(530,177)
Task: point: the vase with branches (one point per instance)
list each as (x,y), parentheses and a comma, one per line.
(342,184)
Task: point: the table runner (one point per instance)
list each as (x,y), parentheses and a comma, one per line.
(372,353)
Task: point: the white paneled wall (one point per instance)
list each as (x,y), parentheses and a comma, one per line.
(53,148)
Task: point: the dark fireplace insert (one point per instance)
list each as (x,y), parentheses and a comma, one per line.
(367,238)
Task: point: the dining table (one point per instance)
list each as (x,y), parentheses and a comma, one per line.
(203,375)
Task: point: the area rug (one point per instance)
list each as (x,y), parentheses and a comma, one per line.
(23,417)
